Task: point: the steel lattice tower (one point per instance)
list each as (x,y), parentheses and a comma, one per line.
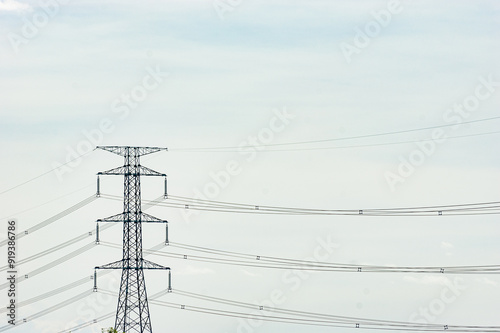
(132,314)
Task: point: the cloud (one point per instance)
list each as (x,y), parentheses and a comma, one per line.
(12,5)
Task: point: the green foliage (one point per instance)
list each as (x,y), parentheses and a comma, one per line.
(109,330)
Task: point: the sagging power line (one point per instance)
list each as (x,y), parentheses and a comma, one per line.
(261,261)
(249,260)
(231,148)
(288,316)
(482,208)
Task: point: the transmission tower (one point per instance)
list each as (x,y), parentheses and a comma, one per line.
(132,313)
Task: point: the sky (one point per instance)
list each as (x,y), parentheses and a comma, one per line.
(246,74)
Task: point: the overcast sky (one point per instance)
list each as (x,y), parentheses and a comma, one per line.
(221,73)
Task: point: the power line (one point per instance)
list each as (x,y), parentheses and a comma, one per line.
(45,203)
(485,208)
(68,194)
(63,259)
(72,241)
(277,262)
(52,264)
(61,305)
(488,211)
(252,206)
(89,323)
(335,139)
(57,247)
(62,289)
(47,310)
(53,219)
(108,315)
(288,144)
(64,245)
(313,319)
(43,174)
(340,147)
(313,315)
(464,269)
(68,286)
(247,260)
(51,293)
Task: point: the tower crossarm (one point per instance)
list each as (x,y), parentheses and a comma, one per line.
(124,171)
(150,172)
(151,219)
(114,265)
(115,218)
(123,150)
(151,265)
(146,218)
(145,264)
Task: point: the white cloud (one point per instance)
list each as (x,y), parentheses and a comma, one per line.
(12,5)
